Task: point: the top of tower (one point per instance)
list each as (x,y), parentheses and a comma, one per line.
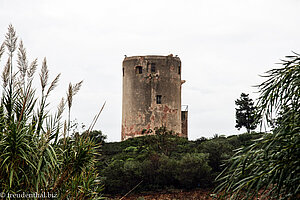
(151,57)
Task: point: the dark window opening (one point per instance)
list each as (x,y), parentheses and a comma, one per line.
(123,71)
(153,67)
(179,69)
(158,99)
(138,70)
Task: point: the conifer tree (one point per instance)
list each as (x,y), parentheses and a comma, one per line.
(245,113)
(270,166)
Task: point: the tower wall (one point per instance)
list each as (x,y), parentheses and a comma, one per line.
(151,95)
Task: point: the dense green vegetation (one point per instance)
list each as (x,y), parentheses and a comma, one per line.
(164,161)
(37,153)
(271,164)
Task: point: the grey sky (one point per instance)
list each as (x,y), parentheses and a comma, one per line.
(223,45)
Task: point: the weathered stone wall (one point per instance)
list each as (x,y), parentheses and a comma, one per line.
(140,109)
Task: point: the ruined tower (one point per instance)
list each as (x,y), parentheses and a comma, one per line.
(152,95)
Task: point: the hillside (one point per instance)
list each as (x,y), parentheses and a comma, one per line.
(164,161)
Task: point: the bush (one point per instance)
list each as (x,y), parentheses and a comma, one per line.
(165,161)
(193,170)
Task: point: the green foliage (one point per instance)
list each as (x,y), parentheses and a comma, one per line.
(77,176)
(97,136)
(246,113)
(193,170)
(32,158)
(271,164)
(165,161)
(218,150)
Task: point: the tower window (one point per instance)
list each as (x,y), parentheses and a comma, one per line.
(138,70)
(158,99)
(153,67)
(179,69)
(123,71)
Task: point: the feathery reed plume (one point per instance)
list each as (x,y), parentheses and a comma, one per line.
(77,87)
(32,69)
(70,95)
(61,107)
(44,80)
(6,73)
(44,74)
(53,84)
(11,39)
(2,49)
(22,60)
(10,42)
(72,90)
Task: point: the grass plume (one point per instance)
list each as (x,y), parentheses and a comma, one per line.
(11,39)
(33,157)
(32,69)
(6,73)
(44,75)
(22,60)
(72,91)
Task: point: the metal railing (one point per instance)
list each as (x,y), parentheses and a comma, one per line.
(184,107)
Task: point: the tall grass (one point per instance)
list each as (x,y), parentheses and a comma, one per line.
(37,153)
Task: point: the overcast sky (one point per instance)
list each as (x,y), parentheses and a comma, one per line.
(224,46)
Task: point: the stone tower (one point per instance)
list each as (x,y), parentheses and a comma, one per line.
(152,95)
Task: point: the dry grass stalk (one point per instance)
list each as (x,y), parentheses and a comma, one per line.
(131,190)
(95,119)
